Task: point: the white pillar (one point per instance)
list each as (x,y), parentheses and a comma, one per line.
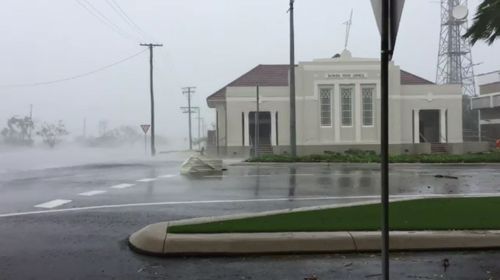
(442,126)
(247,131)
(273,128)
(479,130)
(336,112)
(357,112)
(416,126)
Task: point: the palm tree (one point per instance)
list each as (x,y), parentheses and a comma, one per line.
(486,25)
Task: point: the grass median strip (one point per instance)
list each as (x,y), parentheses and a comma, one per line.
(477,213)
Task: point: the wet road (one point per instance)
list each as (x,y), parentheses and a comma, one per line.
(72,223)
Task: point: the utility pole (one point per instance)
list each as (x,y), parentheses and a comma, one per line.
(150,46)
(257,125)
(203,128)
(293,132)
(199,129)
(199,123)
(189,91)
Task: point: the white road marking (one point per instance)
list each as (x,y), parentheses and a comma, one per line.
(122,186)
(91,193)
(167,176)
(53,203)
(318,198)
(146,180)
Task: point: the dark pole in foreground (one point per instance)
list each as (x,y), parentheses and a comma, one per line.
(384,136)
(189,117)
(388,15)
(293,132)
(257,125)
(150,46)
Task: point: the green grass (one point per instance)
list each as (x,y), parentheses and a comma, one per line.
(358,156)
(421,214)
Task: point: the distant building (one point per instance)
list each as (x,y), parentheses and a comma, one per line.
(337,108)
(488,104)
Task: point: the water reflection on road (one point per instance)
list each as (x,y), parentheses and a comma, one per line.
(352,180)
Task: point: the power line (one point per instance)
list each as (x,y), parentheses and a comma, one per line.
(121,16)
(118,9)
(72,77)
(103,19)
(109,21)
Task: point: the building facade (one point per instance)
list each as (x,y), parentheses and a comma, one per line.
(488,105)
(337,108)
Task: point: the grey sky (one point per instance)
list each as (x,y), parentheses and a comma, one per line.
(206,44)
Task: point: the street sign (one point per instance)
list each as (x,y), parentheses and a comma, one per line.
(395,11)
(145,128)
(388,14)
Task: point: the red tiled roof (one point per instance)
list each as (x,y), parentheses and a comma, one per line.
(268,75)
(277,75)
(408,78)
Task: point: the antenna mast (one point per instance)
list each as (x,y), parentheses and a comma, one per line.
(347,30)
(455,64)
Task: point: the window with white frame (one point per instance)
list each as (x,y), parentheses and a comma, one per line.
(367,97)
(346,104)
(325,103)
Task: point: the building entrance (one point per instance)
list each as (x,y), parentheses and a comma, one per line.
(429,126)
(264,130)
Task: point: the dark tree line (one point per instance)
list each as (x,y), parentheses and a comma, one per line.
(19,132)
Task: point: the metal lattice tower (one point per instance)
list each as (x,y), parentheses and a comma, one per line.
(454,57)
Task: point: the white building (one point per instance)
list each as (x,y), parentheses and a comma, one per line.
(488,104)
(337,108)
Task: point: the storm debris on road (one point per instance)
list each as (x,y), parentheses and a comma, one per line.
(445,176)
(446,264)
(312,277)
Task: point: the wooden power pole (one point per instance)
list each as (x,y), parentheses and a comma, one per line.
(188,91)
(151,46)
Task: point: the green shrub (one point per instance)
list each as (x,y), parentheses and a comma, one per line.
(360,156)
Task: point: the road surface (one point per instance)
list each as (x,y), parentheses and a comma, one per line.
(73,222)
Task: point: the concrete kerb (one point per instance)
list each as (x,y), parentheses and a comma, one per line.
(150,239)
(308,242)
(154,239)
